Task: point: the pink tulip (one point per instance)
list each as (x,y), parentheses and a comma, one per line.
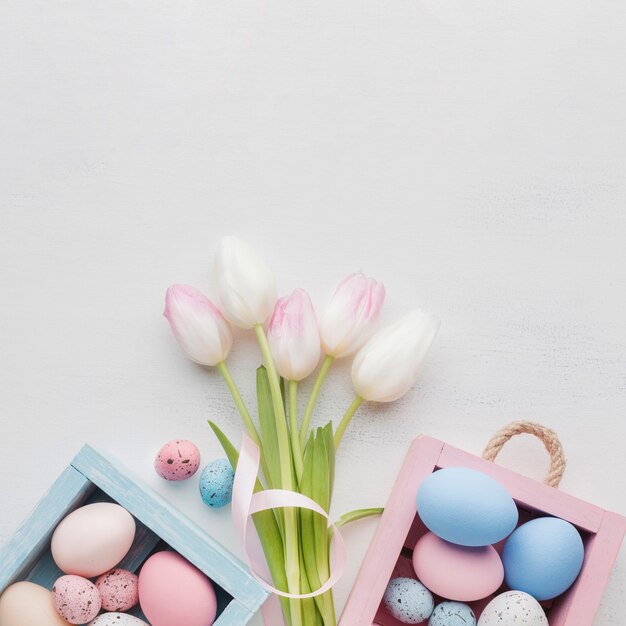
(351,315)
(294,336)
(201,330)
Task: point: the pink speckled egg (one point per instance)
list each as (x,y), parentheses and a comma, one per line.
(118,590)
(457,572)
(76,599)
(178,459)
(172,592)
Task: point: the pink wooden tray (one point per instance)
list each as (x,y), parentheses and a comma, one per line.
(390,551)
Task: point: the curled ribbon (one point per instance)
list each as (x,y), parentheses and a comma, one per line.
(246,503)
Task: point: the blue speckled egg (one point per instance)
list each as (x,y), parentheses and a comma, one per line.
(466,507)
(452,614)
(543,557)
(408,600)
(216,483)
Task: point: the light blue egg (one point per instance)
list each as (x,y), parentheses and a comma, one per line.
(452,614)
(408,600)
(216,483)
(466,507)
(543,557)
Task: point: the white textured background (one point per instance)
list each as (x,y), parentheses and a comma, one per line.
(469,154)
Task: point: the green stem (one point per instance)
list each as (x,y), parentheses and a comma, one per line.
(241,407)
(310,405)
(296,449)
(345,420)
(239,403)
(292,558)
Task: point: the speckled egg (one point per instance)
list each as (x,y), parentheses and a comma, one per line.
(452,614)
(177,460)
(117,619)
(216,483)
(118,590)
(513,607)
(76,599)
(408,600)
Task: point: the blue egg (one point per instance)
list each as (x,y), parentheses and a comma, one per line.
(408,600)
(452,614)
(216,483)
(543,557)
(466,507)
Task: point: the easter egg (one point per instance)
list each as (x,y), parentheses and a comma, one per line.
(466,507)
(117,619)
(408,600)
(76,599)
(93,539)
(452,614)
(216,483)
(543,557)
(118,590)
(455,572)
(27,604)
(177,460)
(172,592)
(512,608)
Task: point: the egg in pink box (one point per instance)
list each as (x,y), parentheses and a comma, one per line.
(177,460)
(172,592)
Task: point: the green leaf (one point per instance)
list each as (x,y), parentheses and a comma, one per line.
(266,525)
(269,435)
(353,516)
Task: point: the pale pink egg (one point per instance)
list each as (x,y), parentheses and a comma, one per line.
(76,599)
(177,460)
(172,592)
(118,589)
(457,572)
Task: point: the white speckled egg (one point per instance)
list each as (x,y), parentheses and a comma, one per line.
(452,614)
(118,589)
(76,599)
(216,483)
(512,608)
(408,600)
(117,619)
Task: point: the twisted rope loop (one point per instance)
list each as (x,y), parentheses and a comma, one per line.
(549,438)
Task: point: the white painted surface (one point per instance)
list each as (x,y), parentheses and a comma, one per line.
(469,154)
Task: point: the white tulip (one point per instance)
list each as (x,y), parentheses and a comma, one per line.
(351,315)
(294,337)
(203,334)
(388,365)
(245,284)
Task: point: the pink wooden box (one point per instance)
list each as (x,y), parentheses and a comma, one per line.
(389,554)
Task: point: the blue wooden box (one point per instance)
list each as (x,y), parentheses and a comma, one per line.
(92,477)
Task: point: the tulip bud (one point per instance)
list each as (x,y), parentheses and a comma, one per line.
(388,365)
(294,337)
(245,284)
(351,315)
(203,334)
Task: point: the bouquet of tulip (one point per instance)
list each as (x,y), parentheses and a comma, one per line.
(294,457)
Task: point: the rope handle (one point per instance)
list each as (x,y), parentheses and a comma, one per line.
(549,438)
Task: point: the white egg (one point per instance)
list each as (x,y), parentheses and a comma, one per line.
(511,609)
(93,539)
(27,604)
(117,619)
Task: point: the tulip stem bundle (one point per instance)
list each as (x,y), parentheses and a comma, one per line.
(294,456)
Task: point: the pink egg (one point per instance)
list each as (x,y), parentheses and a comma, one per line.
(172,592)
(118,590)
(76,599)
(178,459)
(457,572)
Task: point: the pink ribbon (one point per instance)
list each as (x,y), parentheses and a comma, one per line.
(246,503)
